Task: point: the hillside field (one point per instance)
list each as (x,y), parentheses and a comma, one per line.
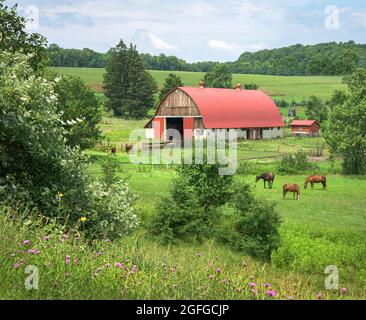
(279,87)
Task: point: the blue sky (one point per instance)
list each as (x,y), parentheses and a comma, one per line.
(197,30)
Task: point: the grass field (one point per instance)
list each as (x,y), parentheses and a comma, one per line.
(279,87)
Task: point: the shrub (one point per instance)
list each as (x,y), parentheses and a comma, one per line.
(256,224)
(193,204)
(296,163)
(112,215)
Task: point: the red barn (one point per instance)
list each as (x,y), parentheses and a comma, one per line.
(196,112)
(309,128)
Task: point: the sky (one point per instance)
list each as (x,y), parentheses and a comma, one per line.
(199,30)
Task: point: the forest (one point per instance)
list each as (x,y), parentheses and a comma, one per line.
(298,60)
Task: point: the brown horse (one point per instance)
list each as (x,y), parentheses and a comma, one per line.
(114,150)
(294,188)
(316,179)
(128,147)
(266,177)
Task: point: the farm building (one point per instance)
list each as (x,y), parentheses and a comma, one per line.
(196,112)
(305,128)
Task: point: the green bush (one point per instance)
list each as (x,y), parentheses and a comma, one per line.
(40,171)
(112,215)
(192,206)
(253,226)
(296,163)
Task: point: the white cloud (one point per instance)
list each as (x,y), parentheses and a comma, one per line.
(224,46)
(160,44)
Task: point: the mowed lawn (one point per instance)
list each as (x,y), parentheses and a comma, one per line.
(279,87)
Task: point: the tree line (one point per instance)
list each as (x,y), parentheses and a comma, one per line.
(297,60)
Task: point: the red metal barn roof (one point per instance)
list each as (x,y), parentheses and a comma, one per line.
(303,123)
(228,108)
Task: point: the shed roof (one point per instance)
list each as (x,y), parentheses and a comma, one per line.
(303,123)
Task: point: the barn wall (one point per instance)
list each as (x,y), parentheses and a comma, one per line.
(178,104)
(275,133)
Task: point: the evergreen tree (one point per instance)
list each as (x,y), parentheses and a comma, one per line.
(219,77)
(129,88)
(173,81)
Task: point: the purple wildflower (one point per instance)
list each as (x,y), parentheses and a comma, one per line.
(319,296)
(218,270)
(26,242)
(67,259)
(271,293)
(107,265)
(16,266)
(344,290)
(252,285)
(212,277)
(46,238)
(267,285)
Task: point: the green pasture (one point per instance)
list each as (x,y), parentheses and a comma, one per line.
(279,87)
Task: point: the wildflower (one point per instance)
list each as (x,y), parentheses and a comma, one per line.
(46,238)
(68,260)
(344,290)
(271,293)
(107,265)
(134,269)
(267,285)
(199,255)
(175,286)
(252,285)
(60,195)
(255,291)
(26,242)
(212,277)
(319,296)
(33,251)
(225,281)
(218,270)
(99,253)
(16,266)
(76,261)
(83,219)
(118,265)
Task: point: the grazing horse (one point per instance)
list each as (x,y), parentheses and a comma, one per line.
(316,179)
(294,188)
(266,177)
(114,150)
(128,147)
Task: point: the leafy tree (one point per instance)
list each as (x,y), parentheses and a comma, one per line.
(338,98)
(171,82)
(80,109)
(316,109)
(346,129)
(219,77)
(14,38)
(129,88)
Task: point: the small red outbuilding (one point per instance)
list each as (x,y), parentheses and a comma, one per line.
(305,128)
